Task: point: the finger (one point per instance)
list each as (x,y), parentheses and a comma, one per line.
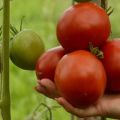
(48,84)
(47,87)
(88,112)
(50,87)
(68,107)
(41,89)
(39,84)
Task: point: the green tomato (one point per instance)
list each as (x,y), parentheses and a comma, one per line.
(25,49)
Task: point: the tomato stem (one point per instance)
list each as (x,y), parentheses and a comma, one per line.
(5,97)
(98,2)
(96,51)
(103,118)
(0,104)
(21,23)
(109,10)
(104,4)
(72,117)
(73,1)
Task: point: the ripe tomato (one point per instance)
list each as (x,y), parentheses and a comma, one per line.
(81,24)
(80,78)
(111,62)
(46,64)
(25,49)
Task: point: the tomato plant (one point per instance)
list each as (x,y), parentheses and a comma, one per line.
(81,24)
(25,49)
(46,64)
(80,78)
(111,62)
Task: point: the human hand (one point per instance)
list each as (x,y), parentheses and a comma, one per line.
(48,88)
(107,106)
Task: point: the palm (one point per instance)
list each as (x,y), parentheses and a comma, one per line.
(107,105)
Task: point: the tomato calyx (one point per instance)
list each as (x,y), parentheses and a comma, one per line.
(96,51)
(79,1)
(14,31)
(104,4)
(109,10)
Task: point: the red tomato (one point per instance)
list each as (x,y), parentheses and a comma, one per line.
(111,63)
(81,24)
(46,64)
(80,78)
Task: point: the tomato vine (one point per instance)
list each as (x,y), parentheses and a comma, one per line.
(5,95)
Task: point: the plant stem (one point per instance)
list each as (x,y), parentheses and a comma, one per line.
(0,104)
(97,1)
(0,82)
(5,57)
(72,117)
(103,118)
(104,4)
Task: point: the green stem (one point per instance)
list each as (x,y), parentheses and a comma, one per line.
(103,118)
(104,4)
(1,8)
(0,104)
(97,1)
(0,79)
(72,117)
(5,57)
(73,2)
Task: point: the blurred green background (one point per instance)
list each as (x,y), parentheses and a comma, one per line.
(41,16)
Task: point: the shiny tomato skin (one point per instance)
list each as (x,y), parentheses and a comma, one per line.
(111,62)
(81,24)
(46,64)
(80,78)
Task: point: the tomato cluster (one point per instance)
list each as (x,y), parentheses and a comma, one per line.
(79,75)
